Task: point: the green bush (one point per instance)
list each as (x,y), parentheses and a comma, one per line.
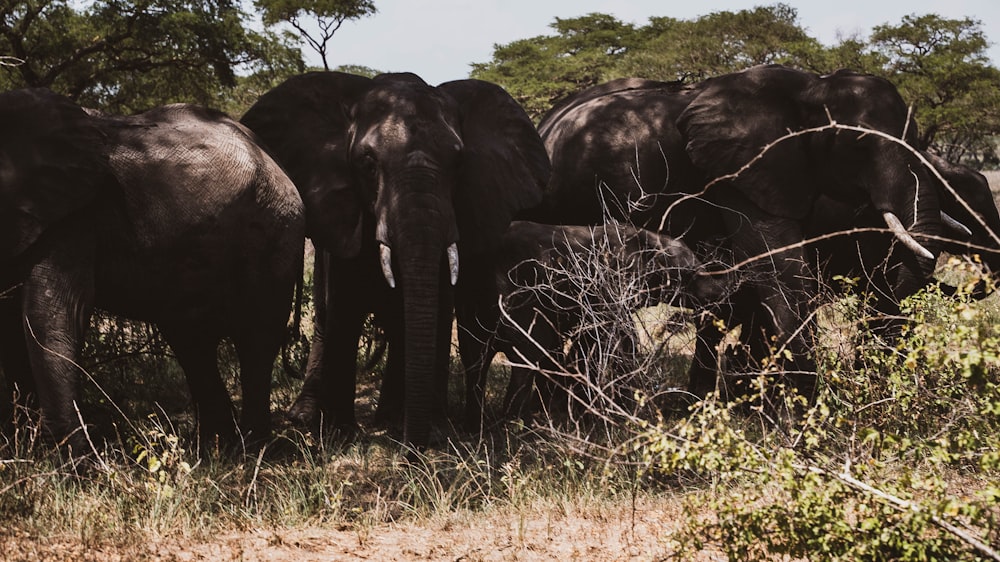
(896,460)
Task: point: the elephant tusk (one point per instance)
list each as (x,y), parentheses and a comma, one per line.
(385,253)
(453,262)
(954,225)
(905,237)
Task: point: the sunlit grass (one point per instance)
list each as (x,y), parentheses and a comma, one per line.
(725,467)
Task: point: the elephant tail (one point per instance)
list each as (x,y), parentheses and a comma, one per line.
(295,330)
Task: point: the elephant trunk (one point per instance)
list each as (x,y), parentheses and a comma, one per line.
(908,201)
(420,240)
(421,299)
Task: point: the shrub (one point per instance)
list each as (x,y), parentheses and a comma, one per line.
(896,460)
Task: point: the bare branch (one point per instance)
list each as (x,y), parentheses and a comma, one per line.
(833,125)
(904,505)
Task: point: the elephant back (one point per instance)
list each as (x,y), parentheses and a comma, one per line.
(183,168)
(617,153)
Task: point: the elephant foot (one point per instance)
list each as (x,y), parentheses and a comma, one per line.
(340,433)
(305,411)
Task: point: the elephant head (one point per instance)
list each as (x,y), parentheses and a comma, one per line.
(413,172)
(50,168)
(773,142)
(969,211)
(737,115)
(674,274)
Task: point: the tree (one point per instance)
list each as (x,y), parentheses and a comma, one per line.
(941,67)
(126,56)
(852,52)
(358,69)
(718,43)
(597,47)
(540,70)
(329,16)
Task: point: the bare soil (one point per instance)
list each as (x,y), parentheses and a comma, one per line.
(568,531)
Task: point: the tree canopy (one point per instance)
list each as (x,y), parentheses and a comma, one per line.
(130,55)
(124,56)
(328,15)
(938,64)
(540,70)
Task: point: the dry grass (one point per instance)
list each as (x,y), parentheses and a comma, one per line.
(520,493)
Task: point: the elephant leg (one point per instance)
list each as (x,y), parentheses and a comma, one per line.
(197,354)
(561,393)
(338,373)
(793,329)
(256,355)
(305,410)
(554,379)
(520,391)
(705,360)
(477,347)
(58,298)
(785,289)
(392,391)
(14,366)
(329,386)
(477,315)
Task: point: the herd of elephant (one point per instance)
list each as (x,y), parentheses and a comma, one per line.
(426,204)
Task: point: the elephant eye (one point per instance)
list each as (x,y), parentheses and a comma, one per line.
(369,163)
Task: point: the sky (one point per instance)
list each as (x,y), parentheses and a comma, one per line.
(439,39)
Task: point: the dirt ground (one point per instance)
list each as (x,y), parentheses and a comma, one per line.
(558,532)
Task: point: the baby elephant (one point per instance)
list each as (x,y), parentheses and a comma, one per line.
(577,283)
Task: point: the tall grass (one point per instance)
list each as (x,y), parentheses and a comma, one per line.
(897,458)
(898,452)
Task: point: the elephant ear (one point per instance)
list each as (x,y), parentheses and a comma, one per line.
(504,164)
(731,121)
(52,163)
(305,123)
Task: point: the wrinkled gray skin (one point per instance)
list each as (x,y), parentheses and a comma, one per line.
(392,167)
(974,190)
(652,143)
(174,216)
(876,263)
(539,274)
(863,256)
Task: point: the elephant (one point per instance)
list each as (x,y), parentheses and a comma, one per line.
(969,207)
(968,213)
(175,216)
(704,163)
(399,179)
(559,282)
(863,253)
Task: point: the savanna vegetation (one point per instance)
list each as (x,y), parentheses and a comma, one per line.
(898,458)
(939,65)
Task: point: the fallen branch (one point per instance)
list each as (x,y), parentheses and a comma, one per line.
(903,505)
